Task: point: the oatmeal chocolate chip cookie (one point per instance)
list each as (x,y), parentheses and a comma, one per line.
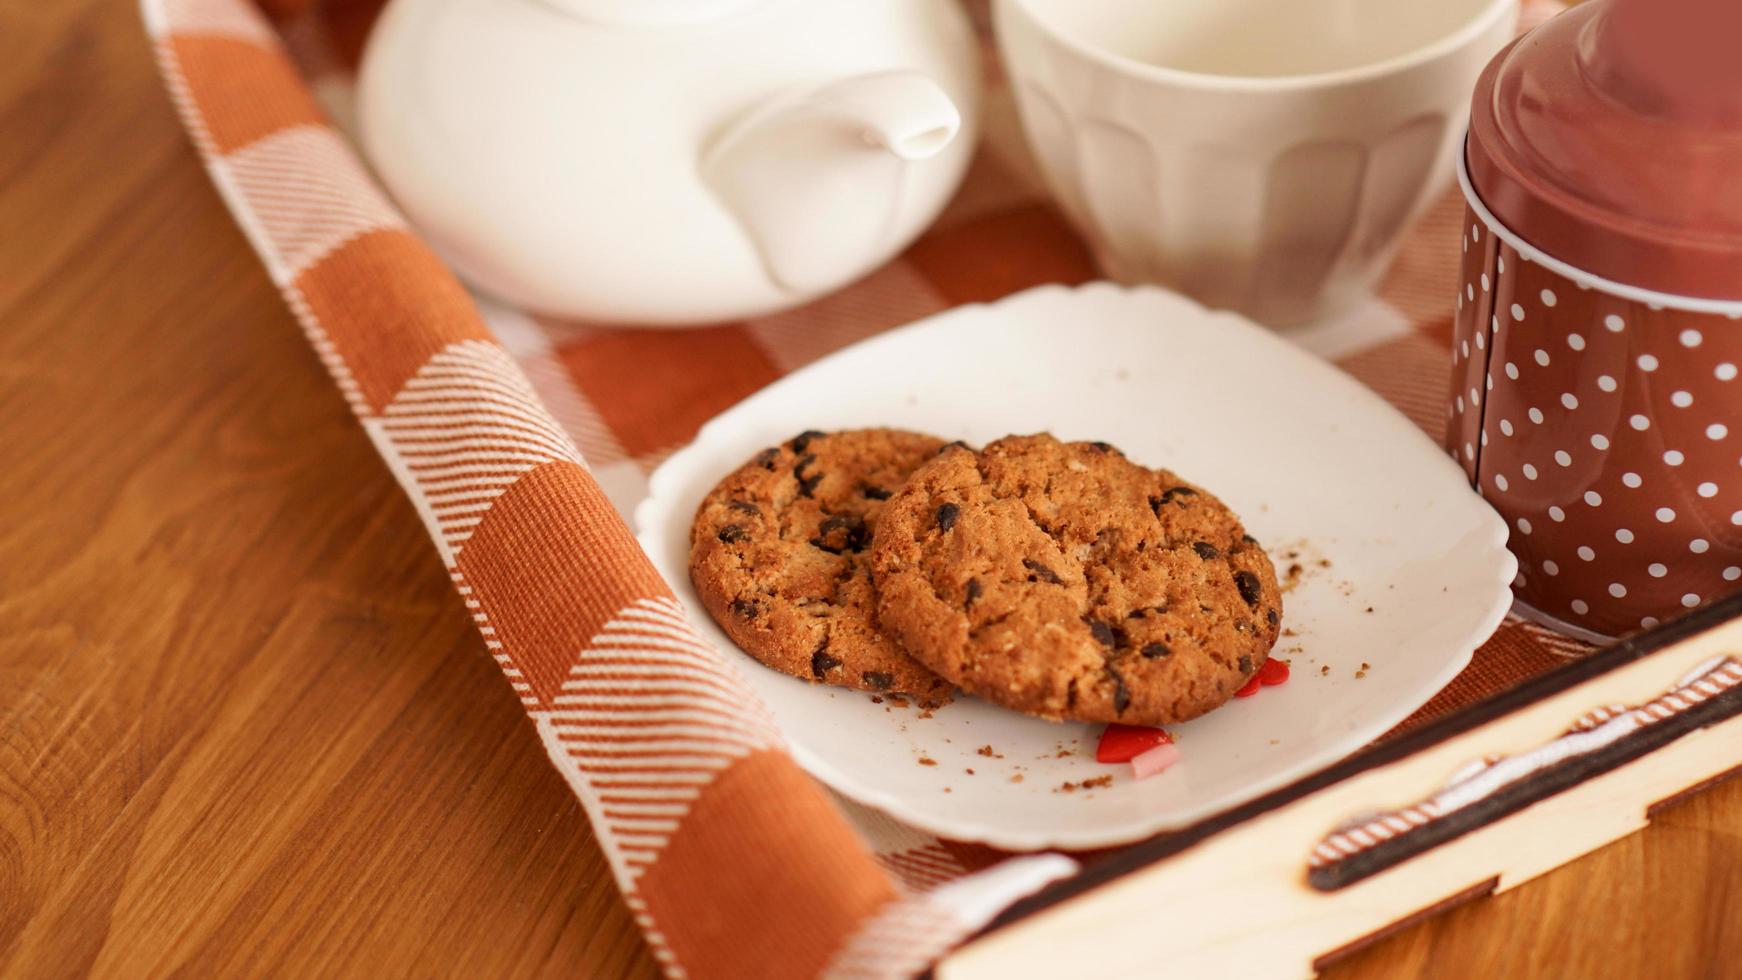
(780,554)
(1064,580)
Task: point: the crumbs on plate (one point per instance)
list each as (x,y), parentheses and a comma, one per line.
(1096,782)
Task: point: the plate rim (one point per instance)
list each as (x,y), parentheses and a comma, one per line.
(661,482)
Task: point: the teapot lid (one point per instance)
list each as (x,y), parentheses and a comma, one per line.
(1611,138)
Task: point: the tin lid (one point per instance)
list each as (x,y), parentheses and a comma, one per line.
(1611,138)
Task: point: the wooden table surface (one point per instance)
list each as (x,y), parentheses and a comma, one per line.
(245,725)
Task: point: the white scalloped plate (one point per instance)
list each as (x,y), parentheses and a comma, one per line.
(1314,462)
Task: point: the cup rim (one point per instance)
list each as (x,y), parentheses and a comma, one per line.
(1433,50)
(1530,253)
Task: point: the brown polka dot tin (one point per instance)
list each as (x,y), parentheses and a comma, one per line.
(1605,424)
(1595,397)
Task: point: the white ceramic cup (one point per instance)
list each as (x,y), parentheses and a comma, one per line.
(1260,155)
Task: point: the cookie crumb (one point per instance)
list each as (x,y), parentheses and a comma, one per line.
(968,771)
(926,760)
(1063,754)
(1098,782)
(1325,670)
(1017,778)
(987,751)
(876,700)
(1291,577)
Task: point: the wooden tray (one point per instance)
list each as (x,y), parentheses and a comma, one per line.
(1284,885)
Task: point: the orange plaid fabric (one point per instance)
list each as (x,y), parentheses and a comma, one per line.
(521,440)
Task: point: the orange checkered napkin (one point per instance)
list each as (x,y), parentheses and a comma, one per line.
(522,440)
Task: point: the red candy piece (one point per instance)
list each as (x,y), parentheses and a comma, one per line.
(1122,743)
(1250,689)
(1273,672)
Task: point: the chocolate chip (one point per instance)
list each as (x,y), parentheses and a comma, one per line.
(1040,572)
(806,484)
(946,447)
(821,662)
(972,592)
(1245,665)
(1270,614)
(1121,694)
(1168,497)
(746,608)
(743,507)
(1137,614)
(766,458)
(947,514)
(1248,585)
(874,493)
(1102,633)
(841,532)
(803,439)
(1205,550)
(878,681)
(1105,447)
(1249,539)
(732,534)
(1155,651)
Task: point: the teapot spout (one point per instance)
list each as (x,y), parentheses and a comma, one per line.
(903,111)
(815,177)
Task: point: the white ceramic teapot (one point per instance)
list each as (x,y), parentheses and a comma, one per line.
(669,161)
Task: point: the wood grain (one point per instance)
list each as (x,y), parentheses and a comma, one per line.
(245,726)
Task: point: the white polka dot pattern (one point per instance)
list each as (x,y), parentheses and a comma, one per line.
(1624,487)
